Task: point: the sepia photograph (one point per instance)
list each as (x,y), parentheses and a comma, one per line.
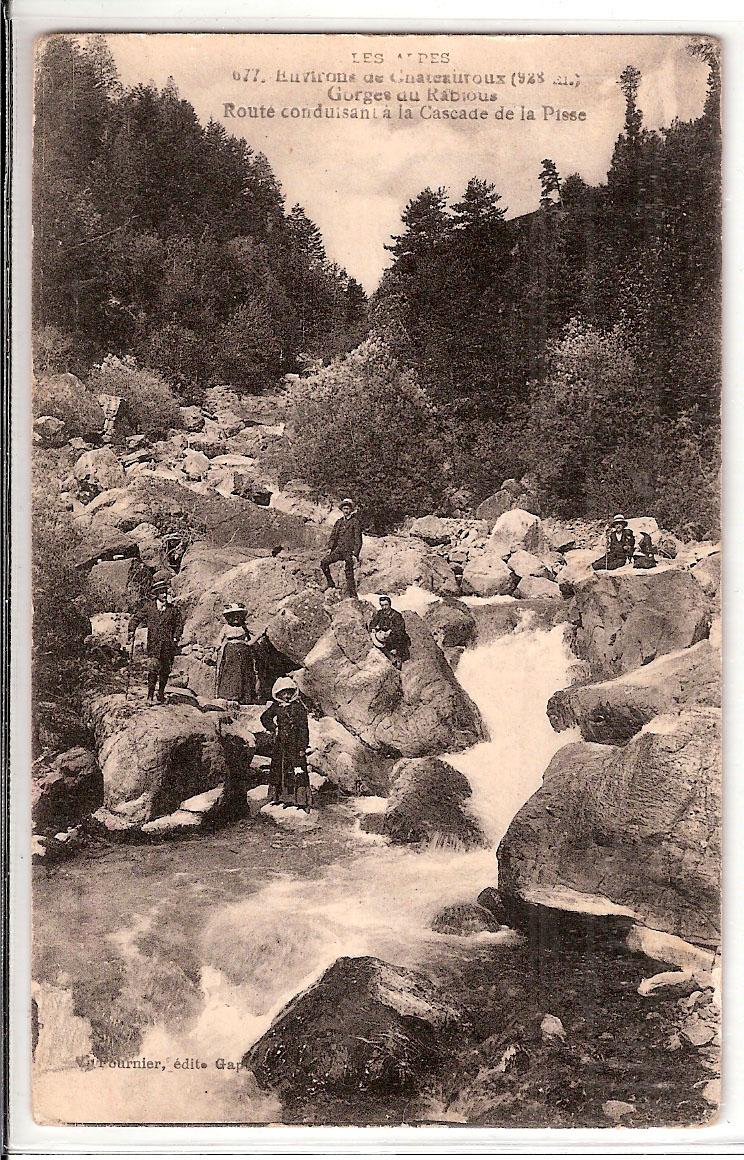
(376,569)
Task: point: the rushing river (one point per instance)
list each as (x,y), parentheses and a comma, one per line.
(186,951)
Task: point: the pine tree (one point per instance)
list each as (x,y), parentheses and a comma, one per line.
(550,184)
(479,208)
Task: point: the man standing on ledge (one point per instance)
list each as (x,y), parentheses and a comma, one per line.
(164,627)
(345,544)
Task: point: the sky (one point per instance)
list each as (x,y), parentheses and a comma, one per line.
(353,177)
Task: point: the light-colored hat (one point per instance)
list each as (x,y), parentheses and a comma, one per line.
(619,519)
(284,685)
(346,503)
(235,610)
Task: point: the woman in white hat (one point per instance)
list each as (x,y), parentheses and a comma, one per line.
(619,546)
(236,669)
(286,719)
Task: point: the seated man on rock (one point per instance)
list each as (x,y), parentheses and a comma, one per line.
(344,544)
(620,545)
(164,627)
(388,631)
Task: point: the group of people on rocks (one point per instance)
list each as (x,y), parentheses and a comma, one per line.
(243,674)
(622,548)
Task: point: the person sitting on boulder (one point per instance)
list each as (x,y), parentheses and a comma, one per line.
(286,719)
(388,631)
(164,627)
(345,543)
(620,544)
(236,667)
(645,556)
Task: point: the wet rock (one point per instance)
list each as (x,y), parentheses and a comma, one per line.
(65,790)
(450,622)
(50,431)
(638,825)
(394,563)
(611,712)
(626,620)
(464,918)
(100,468)
(428,801)
(152,759)
(488,575)
(412,712)
(365,1027)
(490,899)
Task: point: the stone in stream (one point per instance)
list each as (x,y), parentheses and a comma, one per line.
(536,587)
(636,827)
(365,1027)
(488,575)
(627,619)
(412,712)
(428,802)
(464,918)
(450,622)
(611,712)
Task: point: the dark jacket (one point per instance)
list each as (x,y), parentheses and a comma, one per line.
(392,621)
(346,536)
(288,723)
(620,545)
(164,627)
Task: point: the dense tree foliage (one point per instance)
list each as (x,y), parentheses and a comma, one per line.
(580,342)
(162,239)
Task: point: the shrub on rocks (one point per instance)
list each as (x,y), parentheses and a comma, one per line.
(150,401)
(64,397)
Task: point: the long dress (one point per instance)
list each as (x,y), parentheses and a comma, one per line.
(288,723)
(236,672)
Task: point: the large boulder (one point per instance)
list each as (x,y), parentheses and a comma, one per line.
(261,584)
(417,711)
(611,712)
(347,762)
(525,564)
(438,531)
(428,802)
(535,588)
(117,507)
(100,468)
(298,499)
(394,563)
(65,790)
(299,622)
(517,529)
(636,827)
(152,759)
(450,622)
(118,585)
(365,1028)
(628,619)
(487,575)
(494,506)
(104,542)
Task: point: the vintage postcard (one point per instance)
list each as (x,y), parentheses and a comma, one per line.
(376,567)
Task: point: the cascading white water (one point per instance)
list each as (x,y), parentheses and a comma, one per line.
(258,952)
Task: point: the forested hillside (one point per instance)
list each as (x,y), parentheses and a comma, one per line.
(162,239)
(579,344)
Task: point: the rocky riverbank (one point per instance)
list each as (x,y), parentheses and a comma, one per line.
(607,876)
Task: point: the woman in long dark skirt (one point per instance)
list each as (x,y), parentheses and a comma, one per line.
(286,719)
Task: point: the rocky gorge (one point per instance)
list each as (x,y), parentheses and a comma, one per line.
(508,890)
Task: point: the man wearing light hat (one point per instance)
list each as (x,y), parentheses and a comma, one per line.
(164,627)
(344,544)
(620,545)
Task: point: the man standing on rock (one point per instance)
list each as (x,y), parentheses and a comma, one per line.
(164,627)
(388,630)
(345,544)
